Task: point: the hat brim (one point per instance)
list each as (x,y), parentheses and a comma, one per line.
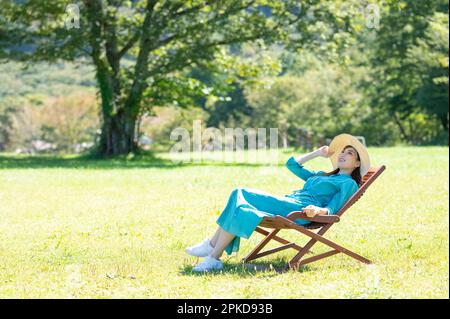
(340,141)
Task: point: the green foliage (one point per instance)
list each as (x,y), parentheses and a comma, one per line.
(430,58)
(410,65)
(322,98)
(159,39)
(227,78)
(6,114)
(309,65)
(159,125)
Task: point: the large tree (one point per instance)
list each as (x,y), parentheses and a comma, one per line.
(139,48)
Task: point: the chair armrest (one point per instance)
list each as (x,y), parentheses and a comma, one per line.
(326,219)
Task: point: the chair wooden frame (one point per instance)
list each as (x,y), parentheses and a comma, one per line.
(322,223)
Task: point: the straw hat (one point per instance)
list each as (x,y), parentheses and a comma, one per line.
(340,141)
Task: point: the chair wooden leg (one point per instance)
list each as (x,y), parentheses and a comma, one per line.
(260,246)
(278,239)
(318,257)
(255,253)
(273,250)
(295,262)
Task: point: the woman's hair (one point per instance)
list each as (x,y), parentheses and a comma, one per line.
(356,174)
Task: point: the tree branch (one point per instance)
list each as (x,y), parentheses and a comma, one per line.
(130,43)
(215,19)
(141,65)
(193,9)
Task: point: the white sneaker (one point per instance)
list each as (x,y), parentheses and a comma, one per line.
(210,263)
(201,250)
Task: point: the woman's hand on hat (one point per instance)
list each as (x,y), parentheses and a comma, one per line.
(324,151)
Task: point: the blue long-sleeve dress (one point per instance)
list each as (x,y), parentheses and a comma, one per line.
(246,207)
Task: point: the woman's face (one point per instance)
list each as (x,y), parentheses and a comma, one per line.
(348,159)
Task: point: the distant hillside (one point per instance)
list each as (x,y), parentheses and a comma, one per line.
(53,103)
(44,79)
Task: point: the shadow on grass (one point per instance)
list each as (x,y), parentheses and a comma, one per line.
(268,268)
(147,160)
(82,161)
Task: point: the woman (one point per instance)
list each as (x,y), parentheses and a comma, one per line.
(322,194)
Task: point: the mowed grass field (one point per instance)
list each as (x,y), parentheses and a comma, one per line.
(74,227)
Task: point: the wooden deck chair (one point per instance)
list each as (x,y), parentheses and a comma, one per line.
(320,223)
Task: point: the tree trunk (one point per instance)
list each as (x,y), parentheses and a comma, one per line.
(118,135)
(118,116)
(444,122)
(402,129)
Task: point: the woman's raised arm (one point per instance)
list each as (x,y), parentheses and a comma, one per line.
(295,164)
(322,151)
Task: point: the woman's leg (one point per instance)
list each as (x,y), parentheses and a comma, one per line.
(223,239)
(245,209)
(219,241)
(243,212)
(216,236)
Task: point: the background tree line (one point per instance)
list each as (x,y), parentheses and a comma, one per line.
(316,68)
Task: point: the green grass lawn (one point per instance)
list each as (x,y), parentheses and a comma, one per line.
(74,227)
